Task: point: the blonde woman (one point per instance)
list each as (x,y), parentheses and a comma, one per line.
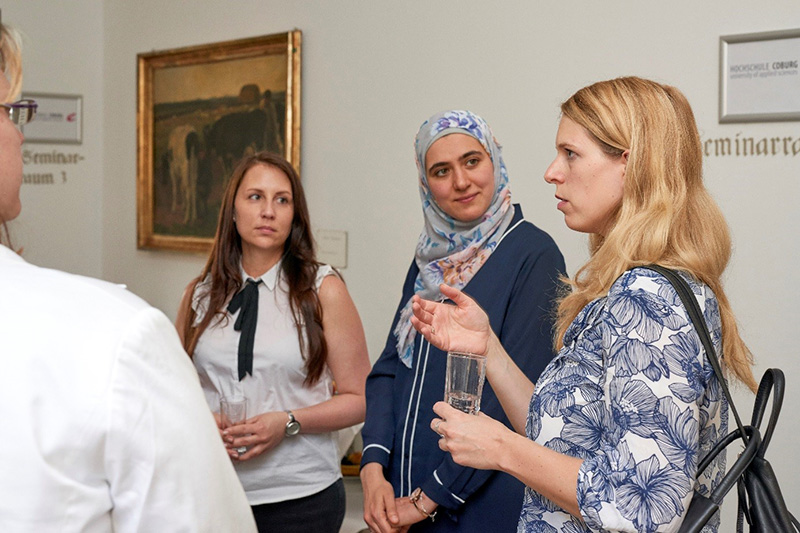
(616,424)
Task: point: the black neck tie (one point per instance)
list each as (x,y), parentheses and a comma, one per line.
(247,301)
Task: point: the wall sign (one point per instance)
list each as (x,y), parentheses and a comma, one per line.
(760,77)
(59,119)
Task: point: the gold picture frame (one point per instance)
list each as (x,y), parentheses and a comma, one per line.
(199,110)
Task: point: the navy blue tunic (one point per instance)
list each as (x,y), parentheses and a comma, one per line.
(516,287)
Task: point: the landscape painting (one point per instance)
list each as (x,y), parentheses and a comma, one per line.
(200,110)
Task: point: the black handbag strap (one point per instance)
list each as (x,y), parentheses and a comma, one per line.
(773,382)
(696,316)
(735,471)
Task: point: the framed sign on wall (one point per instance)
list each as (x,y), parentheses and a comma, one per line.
(200,110)
(59,119)
(760,77)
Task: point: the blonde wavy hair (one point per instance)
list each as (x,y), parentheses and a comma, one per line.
(11,60)
(666,215)
(11,66)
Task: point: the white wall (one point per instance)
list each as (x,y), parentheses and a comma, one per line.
(61,225)
(372,71)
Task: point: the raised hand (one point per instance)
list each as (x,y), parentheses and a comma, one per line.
(461,327)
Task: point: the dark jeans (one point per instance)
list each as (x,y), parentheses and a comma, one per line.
(322,512)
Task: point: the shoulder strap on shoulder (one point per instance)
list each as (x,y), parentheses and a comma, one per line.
(696,316)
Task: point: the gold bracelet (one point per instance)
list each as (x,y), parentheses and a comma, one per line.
(414,499)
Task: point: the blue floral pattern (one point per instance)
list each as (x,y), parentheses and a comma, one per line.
(633,395)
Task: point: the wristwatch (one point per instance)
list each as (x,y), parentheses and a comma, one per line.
(292,426)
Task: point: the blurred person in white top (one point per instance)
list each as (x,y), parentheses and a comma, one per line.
(104,426)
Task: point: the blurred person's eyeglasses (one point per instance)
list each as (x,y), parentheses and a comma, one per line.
(20,112)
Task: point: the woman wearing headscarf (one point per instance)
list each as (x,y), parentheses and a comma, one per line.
(610,436)
(475,239)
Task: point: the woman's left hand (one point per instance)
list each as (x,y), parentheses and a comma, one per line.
(408,514)
(473,441)
(259,434)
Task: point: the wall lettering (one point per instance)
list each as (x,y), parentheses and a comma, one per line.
(743,146)
(53,157)
(38,178)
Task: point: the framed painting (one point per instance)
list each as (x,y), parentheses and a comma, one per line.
(200,110)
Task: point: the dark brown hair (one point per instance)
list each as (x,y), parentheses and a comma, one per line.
(298,268)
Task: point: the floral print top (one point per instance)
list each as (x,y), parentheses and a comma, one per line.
(633,395)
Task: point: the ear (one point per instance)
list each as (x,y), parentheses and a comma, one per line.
(624,157)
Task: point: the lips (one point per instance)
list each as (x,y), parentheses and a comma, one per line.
(466,199)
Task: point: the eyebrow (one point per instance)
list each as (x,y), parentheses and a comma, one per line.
(566,145)
(467,155)
(262,191)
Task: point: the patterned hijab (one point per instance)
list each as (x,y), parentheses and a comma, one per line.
(448,250)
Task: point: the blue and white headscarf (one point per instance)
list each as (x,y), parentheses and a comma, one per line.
(448,250)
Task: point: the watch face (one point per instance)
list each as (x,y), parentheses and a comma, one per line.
(293,428)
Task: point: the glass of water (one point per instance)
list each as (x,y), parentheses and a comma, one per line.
(464,379)
(233,410)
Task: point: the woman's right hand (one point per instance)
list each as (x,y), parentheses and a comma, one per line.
(259,434)
(380,511)
(221,428)
(461,327)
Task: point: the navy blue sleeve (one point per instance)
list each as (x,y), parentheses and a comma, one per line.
(528,328)
(521,310)
(379,423)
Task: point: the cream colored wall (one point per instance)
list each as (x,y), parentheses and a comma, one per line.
(372,71)
(61,224)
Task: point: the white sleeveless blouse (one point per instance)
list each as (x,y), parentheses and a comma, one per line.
(301,465)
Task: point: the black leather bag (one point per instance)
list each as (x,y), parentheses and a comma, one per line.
(761,503)
(702,508)
(760,500)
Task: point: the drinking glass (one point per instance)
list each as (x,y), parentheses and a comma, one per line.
(464,379)
(233,410)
